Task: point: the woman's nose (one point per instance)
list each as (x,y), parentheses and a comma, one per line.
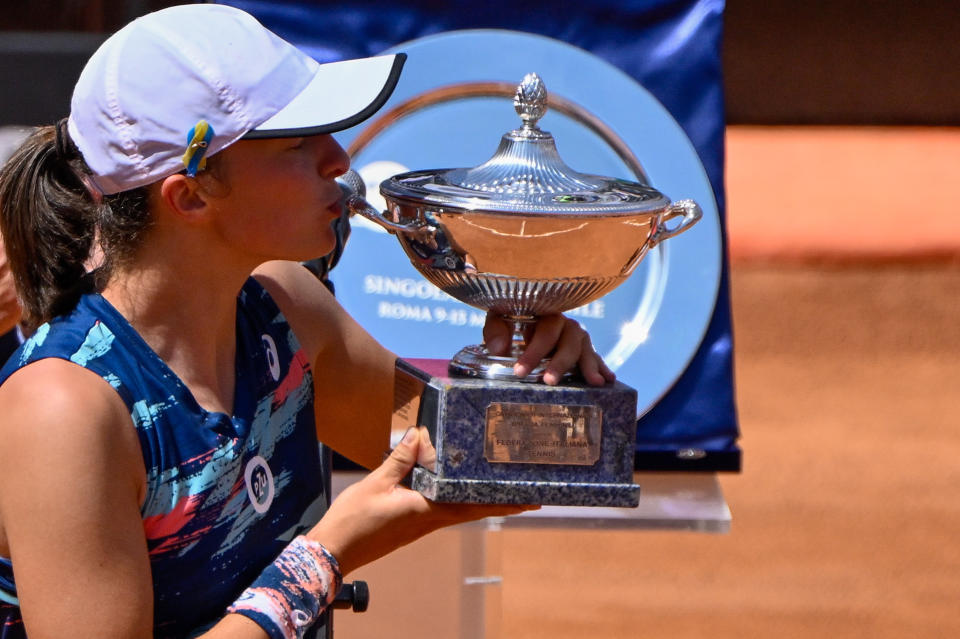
(333,160)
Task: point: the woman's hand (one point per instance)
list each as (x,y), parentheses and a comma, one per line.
(556,336)
(377,515)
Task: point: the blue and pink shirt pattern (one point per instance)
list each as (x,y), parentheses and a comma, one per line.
(225,493)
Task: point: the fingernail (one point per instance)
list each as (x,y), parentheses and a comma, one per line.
(410,436)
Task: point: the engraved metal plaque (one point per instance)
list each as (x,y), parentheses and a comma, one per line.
(543,434)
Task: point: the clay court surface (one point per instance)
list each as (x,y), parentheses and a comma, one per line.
(846,517)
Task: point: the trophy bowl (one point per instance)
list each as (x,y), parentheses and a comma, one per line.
(523,234)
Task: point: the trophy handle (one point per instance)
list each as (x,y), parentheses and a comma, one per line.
(424,233)
(691,213)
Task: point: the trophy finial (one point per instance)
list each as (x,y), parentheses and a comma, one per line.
(530,100)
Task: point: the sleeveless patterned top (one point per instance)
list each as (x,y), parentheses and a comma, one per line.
(225,493)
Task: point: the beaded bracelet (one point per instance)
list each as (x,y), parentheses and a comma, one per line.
(290,593)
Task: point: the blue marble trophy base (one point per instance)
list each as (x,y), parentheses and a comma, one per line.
(508,442)
(505,491)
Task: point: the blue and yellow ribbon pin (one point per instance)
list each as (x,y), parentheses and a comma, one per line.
(198,141)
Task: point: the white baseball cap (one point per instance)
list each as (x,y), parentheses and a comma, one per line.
(143,93)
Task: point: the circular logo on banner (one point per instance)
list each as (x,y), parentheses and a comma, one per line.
(450,108)
(259,481)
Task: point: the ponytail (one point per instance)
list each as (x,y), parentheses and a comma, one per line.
(49,219)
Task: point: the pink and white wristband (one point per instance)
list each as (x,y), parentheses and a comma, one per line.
(292,592)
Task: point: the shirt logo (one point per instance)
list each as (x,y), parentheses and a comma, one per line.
(259,480)
(273,360)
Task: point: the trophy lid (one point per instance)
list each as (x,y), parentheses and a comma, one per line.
(526,176)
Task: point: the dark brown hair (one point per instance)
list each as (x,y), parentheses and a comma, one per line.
(50,220)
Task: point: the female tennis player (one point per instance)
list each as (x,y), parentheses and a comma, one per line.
(159,469)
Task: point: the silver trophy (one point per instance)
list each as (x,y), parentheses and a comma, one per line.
(525,235)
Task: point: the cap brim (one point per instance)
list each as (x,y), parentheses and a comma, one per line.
(341,95)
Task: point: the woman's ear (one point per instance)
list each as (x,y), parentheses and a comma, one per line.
(184,196)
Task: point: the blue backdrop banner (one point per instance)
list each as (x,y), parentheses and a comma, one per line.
(650,70)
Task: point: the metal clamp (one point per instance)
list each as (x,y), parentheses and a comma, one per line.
(354,595)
